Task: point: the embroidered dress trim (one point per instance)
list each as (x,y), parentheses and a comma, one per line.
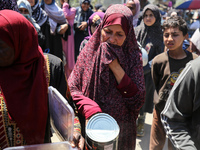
(10,134)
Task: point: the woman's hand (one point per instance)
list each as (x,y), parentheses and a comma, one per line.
(83,26)
(117,70)
(95,18)
(63,28)
(78,141)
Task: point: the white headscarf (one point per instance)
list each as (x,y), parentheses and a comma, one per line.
(25,4)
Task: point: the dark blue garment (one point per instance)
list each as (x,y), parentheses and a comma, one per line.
(81,16)
(186,44)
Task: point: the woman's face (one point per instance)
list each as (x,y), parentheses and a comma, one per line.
(7,54)
(85,6)
(149,18)
(113,34)
(48,2)
(23,11)
(131,5)
(32,2)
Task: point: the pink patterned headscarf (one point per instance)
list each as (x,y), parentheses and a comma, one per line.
(120,20)
(93,85)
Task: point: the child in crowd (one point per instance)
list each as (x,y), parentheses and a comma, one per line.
(166,67)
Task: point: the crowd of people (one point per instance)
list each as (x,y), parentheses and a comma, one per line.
(125,60)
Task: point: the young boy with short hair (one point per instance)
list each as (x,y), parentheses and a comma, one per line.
(166,67)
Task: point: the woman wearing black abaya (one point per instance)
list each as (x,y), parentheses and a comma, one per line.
(149,34)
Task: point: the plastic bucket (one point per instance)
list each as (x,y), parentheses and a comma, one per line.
(102,132)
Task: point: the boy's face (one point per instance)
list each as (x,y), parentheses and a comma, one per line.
(173,38)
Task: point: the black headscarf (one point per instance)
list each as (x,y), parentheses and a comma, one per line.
(154,32)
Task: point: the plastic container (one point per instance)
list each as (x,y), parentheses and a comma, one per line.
(102,132)
(61,115)
(49,146)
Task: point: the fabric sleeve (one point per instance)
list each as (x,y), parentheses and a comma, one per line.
(155,74)
(86,106)
(57,75)
(137,101)
(178,111)
(127,87)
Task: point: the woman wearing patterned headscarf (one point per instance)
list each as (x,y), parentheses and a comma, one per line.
(108,75)
(149,34)
(38,14)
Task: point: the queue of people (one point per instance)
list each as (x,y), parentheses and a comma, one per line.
(94,59)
